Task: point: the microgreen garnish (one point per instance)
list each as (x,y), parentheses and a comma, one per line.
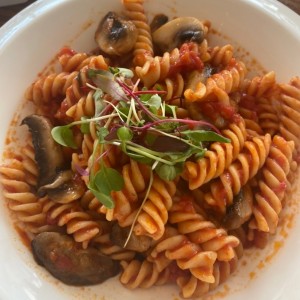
(140,209)
(126,73)
(142,125)
(63,135)
(105,81)
(84,127)
(104,182)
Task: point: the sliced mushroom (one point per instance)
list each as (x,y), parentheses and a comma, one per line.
(136,243)
(158,21)
(59,254)
(66,187)
(115,35)
(178,31)
(48,154)
(241,209)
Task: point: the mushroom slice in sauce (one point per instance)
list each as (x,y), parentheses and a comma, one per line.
(137,243)
(66,187)
(62,257)
(241,209)
(48,154)
(116,35)
(178,31)
(158,21)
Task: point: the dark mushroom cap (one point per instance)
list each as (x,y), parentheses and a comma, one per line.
(137,243)
(66,187)
(116,35)
(48,154)
(66,261)
(158,21)
(178,31)
(241,209)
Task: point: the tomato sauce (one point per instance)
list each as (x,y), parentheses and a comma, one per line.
(189,60)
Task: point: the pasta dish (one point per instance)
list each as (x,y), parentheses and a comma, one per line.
(156,157)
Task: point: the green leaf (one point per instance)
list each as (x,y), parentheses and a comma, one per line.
(204,136)
(167,172)
(124,111)
(85,126)
(124,134)
(108,179)
(170,109)
(102,132)
(140,158)
(99,104)
(154,101)
(199,154)
(106,200)
(168,126)
(127,73)
(158,87)
(92,73)
(114,70)
(63,135)
(150,138)
(145,97)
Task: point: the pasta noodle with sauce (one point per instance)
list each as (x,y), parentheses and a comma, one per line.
(156,157)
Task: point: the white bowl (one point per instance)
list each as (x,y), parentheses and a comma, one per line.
(28,42)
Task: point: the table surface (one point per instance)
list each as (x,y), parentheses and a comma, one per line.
(8,12)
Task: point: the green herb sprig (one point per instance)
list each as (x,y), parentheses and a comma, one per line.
(144,126)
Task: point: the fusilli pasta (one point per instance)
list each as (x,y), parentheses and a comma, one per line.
(166,150)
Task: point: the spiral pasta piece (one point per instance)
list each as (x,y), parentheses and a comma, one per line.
(174,87)
(50,87)
(85,107)
(201,231)
(192,287)
(137,274)
(107,247)
(154,214)
(248,109)
(220,84)
(156,68)
(217,158)
(20,197)
(245,167)
(73,61)
(29,164)
(272,186)
(90,203)
(136,177)
(290,111)
(203,48)
(74,92)
(268,116)
(134,10)
(188,256)
(78,223)
(78,87)
(259,85)
(221,55)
